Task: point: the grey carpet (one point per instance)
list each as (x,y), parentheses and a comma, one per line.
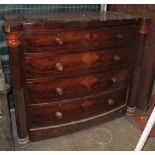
(120,134)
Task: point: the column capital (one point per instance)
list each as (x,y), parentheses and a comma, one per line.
(144,26)
(13,39)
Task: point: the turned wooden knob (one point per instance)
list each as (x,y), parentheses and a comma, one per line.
(59,41)
(119,36)
(114,80)
(110,101)
(59,91)
(116,57)
(0,114)
(58,115)
(59,66)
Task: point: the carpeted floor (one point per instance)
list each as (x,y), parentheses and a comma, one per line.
(120,134)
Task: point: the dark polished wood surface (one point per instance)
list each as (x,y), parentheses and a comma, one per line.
(47,90)
(41,65)
(148,64)
(59,130)
(57,41)
(48,21)
(73,70)
(77,109)
(113,36)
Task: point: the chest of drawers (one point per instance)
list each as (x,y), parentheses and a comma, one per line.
(72,71)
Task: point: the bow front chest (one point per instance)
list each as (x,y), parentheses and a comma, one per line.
(72,71)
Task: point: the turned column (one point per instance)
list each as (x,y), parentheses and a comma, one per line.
(14,41)
(137,75)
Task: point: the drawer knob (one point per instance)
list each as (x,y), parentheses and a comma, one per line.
(58,115)
(114,80)
(110,101)
(1,114)
(59,66)
(59,41)
(59,91)
(119,36)
(116,57)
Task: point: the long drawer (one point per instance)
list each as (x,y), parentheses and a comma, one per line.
(57,41)
(43,65)
(46,115)
(58,89)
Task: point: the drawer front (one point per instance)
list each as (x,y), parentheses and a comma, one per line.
(58,89)
(57,41)
(46,115)
(46,65)
(113,36)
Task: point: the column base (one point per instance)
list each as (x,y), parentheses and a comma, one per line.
(23,142)
(131,111)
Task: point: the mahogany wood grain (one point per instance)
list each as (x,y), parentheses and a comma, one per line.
(57,41)
(76,56)
(29,22)
(79,40)
(43,65)
(45,90)
(45,115)
(114,36)
(143,29)
(14,44)
(54,131)
(148,65)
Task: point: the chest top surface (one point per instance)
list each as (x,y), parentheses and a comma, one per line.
(17,22)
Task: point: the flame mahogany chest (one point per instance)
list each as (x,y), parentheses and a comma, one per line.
(72,71)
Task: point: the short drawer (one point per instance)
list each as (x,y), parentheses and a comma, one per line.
(47,115)
(58,89)
(57,41)
(113,36)
(46,65)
